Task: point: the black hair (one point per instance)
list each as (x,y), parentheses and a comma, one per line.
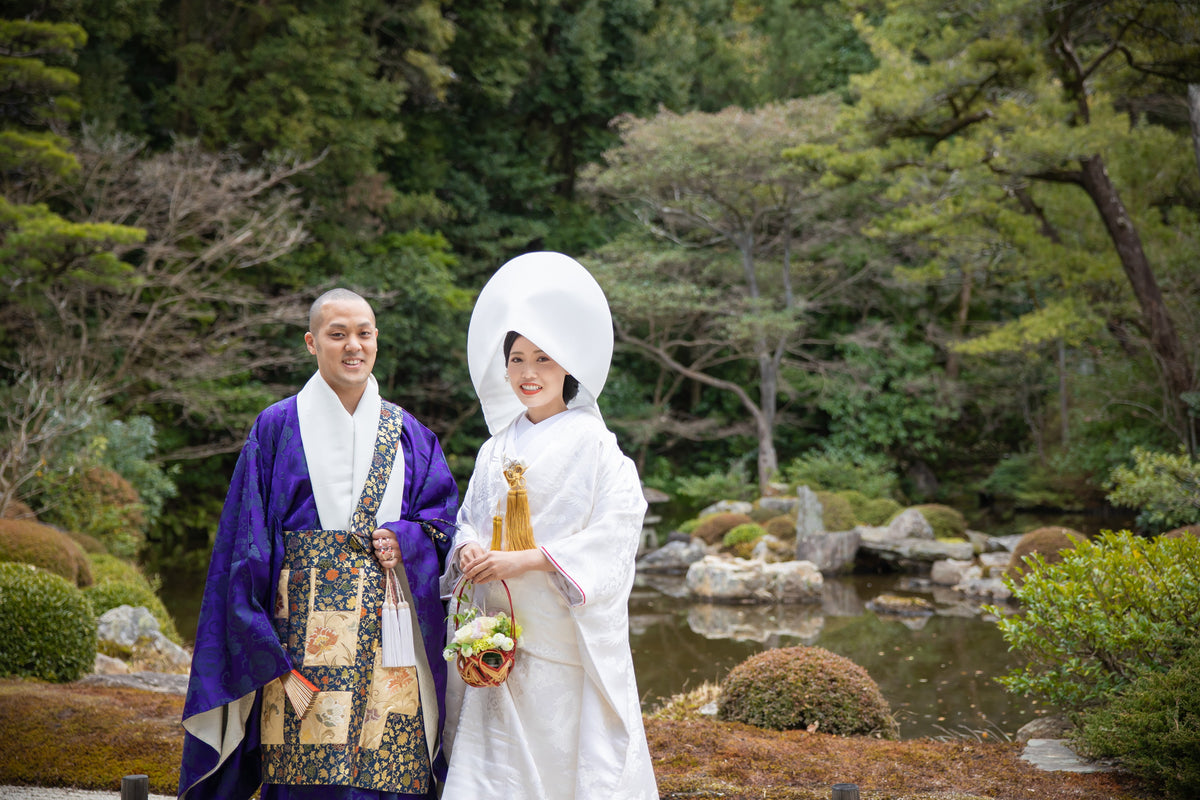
(570,383)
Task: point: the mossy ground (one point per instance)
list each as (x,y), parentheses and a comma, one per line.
(89,737)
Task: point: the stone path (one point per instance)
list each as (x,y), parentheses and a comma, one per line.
(1054,755)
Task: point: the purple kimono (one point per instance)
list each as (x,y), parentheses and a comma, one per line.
(237,650)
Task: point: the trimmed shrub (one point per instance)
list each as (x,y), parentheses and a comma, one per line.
(805,688)
(119,583)
(761,515)
(714,527)
(15,509)
(879,511)
(90,544)
(947,522)
(1187,530)
(688,526)
(1153,727)
(740,541)
(101,503)
(857,500)
(836,512)
(26,542)
(1110,611)
(782,527)
(1048,542)
(50,628)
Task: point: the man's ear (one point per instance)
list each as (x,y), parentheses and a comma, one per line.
(310,342)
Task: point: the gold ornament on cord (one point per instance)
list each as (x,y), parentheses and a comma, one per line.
(518,527)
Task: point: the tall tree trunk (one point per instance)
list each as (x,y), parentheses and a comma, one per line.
(768,460)
(1164,340)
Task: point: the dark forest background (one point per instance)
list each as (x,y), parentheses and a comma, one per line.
(948,245)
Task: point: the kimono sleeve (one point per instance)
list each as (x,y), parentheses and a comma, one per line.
(237,650)
(596,564)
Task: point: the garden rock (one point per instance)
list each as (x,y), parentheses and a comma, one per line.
(830,552)
(949,571)
(728,507)
(987,588)
(910,524)
(810,516)
(737,580)
(771,549)
(125,627)
(779,505)
(994,564)
(672,557)
(107,665)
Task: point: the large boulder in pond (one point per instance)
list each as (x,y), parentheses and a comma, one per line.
(674,557)
(831,552)
(736,580)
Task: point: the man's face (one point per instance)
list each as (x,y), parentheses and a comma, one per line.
(345,343)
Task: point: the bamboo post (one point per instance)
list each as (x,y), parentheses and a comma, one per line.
(135,787)
(845,791)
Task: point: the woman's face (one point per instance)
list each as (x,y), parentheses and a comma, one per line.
(536,379)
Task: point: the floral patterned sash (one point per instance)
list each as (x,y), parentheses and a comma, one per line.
(365,726)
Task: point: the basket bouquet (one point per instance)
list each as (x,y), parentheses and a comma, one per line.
(484,646)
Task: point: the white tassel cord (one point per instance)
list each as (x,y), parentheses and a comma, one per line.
(398,646)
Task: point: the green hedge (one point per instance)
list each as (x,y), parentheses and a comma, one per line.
(50,627)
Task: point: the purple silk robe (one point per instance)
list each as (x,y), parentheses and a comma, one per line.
(237,652)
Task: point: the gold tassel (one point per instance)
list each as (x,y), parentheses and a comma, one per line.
(497,531)
(518,526)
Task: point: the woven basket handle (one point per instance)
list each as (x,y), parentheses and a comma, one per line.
(460,590)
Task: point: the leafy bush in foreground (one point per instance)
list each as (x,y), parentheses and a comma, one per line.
(1153,727)
(50,628)
(1110,611)
(794,688)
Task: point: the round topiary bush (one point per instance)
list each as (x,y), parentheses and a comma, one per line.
(782,527)
(740,541)
(27,542)
(795,688)
(947,522)
(836,512)
(49,626)
(879,511)
(714,527)
(1048,542)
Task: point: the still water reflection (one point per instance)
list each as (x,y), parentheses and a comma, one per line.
(936,672)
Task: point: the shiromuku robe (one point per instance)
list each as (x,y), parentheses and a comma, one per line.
(568,722)
(237,651)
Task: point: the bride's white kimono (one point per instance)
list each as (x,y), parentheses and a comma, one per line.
(567,723)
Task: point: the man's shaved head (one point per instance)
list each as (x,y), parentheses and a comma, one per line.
(333,295)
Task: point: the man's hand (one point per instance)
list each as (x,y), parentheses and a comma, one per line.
(387,548)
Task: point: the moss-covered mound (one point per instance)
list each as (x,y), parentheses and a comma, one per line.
(879,511)
(947,522)
(740,541)
(712,529)
(805,688)
(836,512)
(49,626)
(27,542)
(782,526)
(1049,542)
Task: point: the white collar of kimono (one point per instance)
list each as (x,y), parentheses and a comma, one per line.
(552,301)
(338,447)
(525,440)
